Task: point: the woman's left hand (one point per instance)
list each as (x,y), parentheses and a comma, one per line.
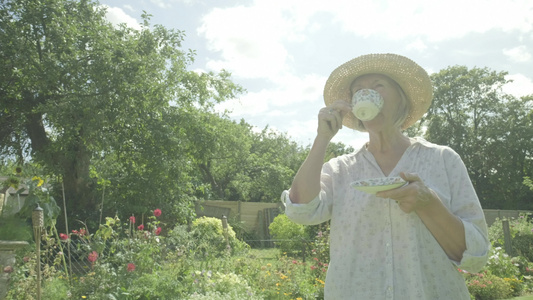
(411,197)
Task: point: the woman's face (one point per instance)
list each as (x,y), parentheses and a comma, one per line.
(388,89)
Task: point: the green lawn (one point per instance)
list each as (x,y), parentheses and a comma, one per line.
(523,298)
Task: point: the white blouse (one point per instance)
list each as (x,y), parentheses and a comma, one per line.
(377,251)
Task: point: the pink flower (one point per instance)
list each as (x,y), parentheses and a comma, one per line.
(157,212)
(93,256)
(313,267)
(140,227)
(132,220)
(63,236)
(8,269)
(158,231)
(131,267)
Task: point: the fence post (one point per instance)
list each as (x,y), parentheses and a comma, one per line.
(507,238)
(225,230)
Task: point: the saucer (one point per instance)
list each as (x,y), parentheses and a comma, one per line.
(374,185)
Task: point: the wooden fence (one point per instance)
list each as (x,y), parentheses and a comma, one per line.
(492,214)
(254,216)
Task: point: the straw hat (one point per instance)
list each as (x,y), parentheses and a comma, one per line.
(413,80)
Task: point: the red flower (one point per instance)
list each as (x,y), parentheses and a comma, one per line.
(158,231)
(313,267)
(63,236)
(132,220)
(140,227)
(82,232)
(157,212)
(131,267)
(93,256)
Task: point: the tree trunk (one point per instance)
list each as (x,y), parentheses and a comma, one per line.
(79,192)
(73,164)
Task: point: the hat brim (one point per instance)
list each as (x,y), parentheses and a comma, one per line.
(412,78)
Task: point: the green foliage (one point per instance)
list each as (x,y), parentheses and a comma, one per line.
(292,237)
(15,229)
(211,238)
(216,285)
(521,230)
(99,105)
(16,222)
(491,130)
(501,264)
(243,165)
(56,288)
(523,244)
(528,182)
(488,287)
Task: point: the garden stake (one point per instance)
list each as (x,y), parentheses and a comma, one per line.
(225,229)
(38,223)
(66,228)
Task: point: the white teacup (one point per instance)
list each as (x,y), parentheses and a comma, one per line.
(367,104)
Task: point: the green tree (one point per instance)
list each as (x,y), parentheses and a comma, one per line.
(242,164)
(90,101)
(491,130)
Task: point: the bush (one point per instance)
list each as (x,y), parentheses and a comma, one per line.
(56,288)
(15,229)
(523,245)
(488,287)
(502,265)
(517,227)
(292,236)
(209,234)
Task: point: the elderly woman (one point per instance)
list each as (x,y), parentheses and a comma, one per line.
(402,243)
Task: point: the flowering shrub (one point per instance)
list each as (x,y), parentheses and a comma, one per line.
(289,278)
(502,265)
(152,262)
(488,287)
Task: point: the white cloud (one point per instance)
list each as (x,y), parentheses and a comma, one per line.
(418,45)
(128,7)
(161,3)
(117,16)
(518,54)
(521,85)
(435,20)
(248,40)
(252,40)
(291,91)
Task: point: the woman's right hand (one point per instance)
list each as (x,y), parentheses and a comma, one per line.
(330,119)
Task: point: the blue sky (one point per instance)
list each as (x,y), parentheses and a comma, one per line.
(282,52)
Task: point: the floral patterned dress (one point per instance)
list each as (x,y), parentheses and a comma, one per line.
(377,251)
